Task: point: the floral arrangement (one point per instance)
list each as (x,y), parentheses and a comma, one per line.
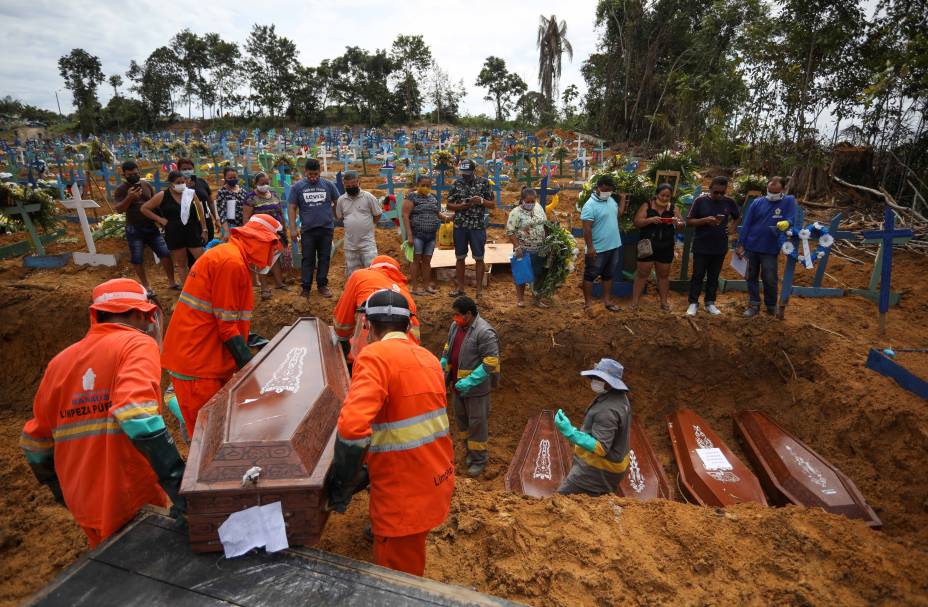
(147,144)
(794,243)
(683,161)
(560,252)
(199,147)
(443,160)
(178,149)
(747,183)
(112,226)
(44,217)
(283,160)
(638,187)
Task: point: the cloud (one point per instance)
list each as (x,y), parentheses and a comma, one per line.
(461,35)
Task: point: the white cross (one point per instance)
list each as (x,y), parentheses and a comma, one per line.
(325,163)
(92,258)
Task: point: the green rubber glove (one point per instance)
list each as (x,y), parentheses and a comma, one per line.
(345,473)
(170,401)
(574,436)
(161,452)
(444,364)
(239,350)
(466,384)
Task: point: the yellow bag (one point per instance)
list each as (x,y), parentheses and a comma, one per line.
(446,235)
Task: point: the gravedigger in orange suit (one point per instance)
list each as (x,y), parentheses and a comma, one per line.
(383,273)
(395,415)
(206,341)
(97,439)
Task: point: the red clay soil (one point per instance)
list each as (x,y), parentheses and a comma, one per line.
(806,371)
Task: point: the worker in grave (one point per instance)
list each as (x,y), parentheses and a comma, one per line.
(601,444)
(207,339)
(97,439)
(395,415)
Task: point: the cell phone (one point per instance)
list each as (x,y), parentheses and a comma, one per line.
(667,219)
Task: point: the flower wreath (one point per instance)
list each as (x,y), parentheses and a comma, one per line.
(795,243)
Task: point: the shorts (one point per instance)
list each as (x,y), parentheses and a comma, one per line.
(139,237)
(476,239)
(603,265)
(179,236)
(424,244)
(662,254)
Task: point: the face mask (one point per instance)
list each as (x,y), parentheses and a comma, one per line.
(354,191)
(528,206)
(468,177)
(187,172)
(423,190)
(774,197)
(267,269)
(180,187)
(263,188)
(132,179)
(460,320)
(598,386)
(604,196)
(232,182)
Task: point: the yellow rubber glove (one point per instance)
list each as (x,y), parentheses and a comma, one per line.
(783,225)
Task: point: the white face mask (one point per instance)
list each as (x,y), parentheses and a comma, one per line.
(598,386)
(263,188)
(179,187)
(604,196)
(774,197)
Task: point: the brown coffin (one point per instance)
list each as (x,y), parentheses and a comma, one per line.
(645,479)
(279,413)
(791,472)
(708,469)
(542,459)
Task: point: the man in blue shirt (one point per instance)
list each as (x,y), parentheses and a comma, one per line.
(314,198)
(758,240)
(600,216)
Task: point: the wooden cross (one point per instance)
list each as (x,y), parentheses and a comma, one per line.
(23,210)
(440,185)
(544,191)
(91,258)
(888,236)
(817,290)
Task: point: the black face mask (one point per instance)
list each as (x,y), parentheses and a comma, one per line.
(132,179)
(353,191)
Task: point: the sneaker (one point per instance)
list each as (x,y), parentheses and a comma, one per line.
(752,311)
(691,310)
(711,309)
(475,470)
(772,310)
(325,292)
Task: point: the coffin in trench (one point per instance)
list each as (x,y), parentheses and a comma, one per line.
(645,478)
(277,413)
(791,472)
(541,460)
(709,471)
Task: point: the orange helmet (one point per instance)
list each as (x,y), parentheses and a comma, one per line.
(120,295)
(383,261)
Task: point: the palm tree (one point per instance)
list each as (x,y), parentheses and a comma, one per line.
(552,43)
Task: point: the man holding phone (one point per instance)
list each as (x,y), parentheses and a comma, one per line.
(714,216)
(470,198)
(140,230)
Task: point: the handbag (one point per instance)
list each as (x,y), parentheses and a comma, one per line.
(644,248)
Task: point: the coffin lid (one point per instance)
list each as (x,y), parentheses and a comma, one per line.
(792,471)
(694,444)
(645,478)
(278,412)
(542,459)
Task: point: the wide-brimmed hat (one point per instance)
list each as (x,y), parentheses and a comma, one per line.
(121,295)
(610,371)
(260,226)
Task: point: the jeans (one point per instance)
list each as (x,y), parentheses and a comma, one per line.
(604,265)
(706,267)
(316,247)
(476,239)
(140,237)
(765,266)
(359,259)
(424,244)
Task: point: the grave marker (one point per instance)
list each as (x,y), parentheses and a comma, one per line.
(91,258)
(887,237)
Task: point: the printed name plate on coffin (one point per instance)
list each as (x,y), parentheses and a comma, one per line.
(278,414)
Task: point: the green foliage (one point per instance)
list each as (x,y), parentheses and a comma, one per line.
(502,85)
(270,66)
(748,182)
(639,189)
(45,217)
(560,252)
(11,108)
(670,160)
(98,154)
(82,73)
(552,45)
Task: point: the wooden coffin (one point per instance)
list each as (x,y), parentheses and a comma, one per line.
(645,478)
(542,459)
(708,469)
(278,413)
(791,472)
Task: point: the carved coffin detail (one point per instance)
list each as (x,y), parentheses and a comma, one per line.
(542,459)
(709,471)
(791,472)
(645,478)
(278,413)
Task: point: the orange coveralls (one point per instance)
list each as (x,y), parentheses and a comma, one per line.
(397,398)
(215,306)
(110,376)
(384,273)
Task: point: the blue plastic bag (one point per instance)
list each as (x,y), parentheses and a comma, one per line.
(522,273)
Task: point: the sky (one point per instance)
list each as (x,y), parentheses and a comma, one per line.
(460,34)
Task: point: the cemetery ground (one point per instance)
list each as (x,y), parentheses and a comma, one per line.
(806,371)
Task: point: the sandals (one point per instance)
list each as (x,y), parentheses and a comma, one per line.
(266,294)
(521,304)
(612,307)
(431,290)
(456,293)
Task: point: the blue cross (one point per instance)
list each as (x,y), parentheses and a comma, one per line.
(887,235)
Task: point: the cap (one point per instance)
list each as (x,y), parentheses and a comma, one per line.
(260,226)
(387,305)
(121,295)
(467,166)
(610,371)
(384,261)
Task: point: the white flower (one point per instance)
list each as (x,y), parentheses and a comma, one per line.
(804,233)
(826,240)
(570,267)
(788,248)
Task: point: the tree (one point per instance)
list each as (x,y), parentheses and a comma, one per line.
(442,93)
(502,85)
(192,54)
(535,110)
(570,94)
(82,73)
(115,81)
(360,82)
(271,67)
(411,57)
(155,81)
(224,76)
(552,43)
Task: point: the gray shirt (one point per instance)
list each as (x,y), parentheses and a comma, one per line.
(608,420)
(359,213)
